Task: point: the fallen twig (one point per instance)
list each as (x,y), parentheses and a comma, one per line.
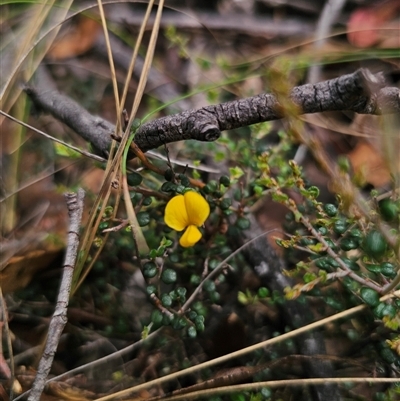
(59,319)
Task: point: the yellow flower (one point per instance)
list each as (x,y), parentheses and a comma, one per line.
(187,211)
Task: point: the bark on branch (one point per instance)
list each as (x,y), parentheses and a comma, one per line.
(361,92)
(59,319)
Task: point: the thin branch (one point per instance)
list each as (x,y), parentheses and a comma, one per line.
(59,319)
(361,92)
(238,23)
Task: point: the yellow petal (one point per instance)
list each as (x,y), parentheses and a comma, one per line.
(197,208)
(190,236)
(175,213)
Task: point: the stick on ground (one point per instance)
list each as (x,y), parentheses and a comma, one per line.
(59,319)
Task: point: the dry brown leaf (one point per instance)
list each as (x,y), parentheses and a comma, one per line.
(367,162)
(68,392)
(375,25)
(78,40)
(20,269)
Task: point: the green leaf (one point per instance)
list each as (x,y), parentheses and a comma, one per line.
(369,296)
(375,244)
(169,276)
(65,151)
(192,332)
(235,172)
(145,332)
(242,298)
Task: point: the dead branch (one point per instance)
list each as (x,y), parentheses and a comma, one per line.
(59,319)
(252,25)
(361,92)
